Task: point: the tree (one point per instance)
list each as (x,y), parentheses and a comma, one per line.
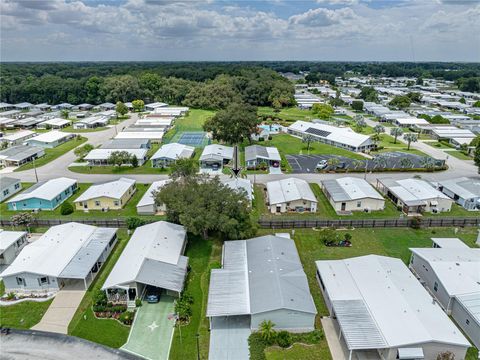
(410,138)
(203,204)
(476,104)
(379,129)
(138,105)
(308,140)
(439,119)
(121,108)
(419,81)
(284,339)
(400,101)
(323,111)
(369,94)
(396,132)
(414,96)
(476,157)
(360,124)
(333,162)
(118,158)
(183,168)
(336,101)
(120,88)
(357,105)
(22,219)
(470,84)
(66,208)
(134,222)
(267,332)
(81,151)
(234,124)
(134,161)
(64,113)
(462,100)
(475,142)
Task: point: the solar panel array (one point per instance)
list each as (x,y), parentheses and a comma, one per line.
(321,133)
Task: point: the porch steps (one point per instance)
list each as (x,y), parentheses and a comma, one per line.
(131,305)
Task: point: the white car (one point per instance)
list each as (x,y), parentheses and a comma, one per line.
(322,164)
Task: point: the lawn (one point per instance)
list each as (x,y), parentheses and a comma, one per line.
(203,256)
(458,154)
(438,145)
(52,154)
(129,210)
(389,145)
(288,114)
(70,129)
(84,324)
(23,315)
(299,351)
(192,122)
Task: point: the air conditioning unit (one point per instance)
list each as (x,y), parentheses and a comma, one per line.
(435,210)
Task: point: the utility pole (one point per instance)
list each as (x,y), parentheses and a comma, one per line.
(35,170)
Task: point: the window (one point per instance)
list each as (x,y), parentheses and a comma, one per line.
(17,186)
(467,322)
(359,204)
(43,281)
(435,286)
(5,192)
(97,203)
(116,203)
(112,240)
(66,192)
(21,281)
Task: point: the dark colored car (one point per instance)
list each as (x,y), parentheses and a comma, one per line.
(152,295)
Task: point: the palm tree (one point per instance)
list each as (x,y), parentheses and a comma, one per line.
(380,162)
(333,162)
(308,139)
(266,330)
(357,163)
(396,132)
(409,138)
(379,129)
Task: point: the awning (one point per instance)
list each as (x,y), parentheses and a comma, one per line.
(434,203)
(410,353)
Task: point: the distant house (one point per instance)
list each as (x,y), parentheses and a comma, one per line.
(27,123)
(352,194)
(344,138)
(45,195)
(99,157)
(84,107)
(260,279)
(414,196)
(256,155)
(6,106)
(13,114)
(51,139)
(171,111)
(170,153)
(55,123)
(23,106)
(214,156)
(62,106)
(18,138)
(379,310)
(11,242)
(464,191)
(451,273)
(91,122)
(111,195)
(290,194)
(8,187)
(153,257)
(147,204)
(153,136)
(155,105)
(126,144)
(241,185)
(66,255)
(107,106)
(19,155)
(42,107)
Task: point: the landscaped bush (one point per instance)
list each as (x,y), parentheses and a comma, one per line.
(183,307)
(134,222)
(256,346)
(138,302)
(66,208)
(284,339)
(127,317)
(100,298)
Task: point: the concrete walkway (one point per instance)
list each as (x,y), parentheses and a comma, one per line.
(60,312)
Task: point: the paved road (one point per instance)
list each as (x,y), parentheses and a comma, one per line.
(59,167)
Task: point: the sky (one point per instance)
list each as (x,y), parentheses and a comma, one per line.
(216,30)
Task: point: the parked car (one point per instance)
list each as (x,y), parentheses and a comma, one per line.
(322,164)
(152,295)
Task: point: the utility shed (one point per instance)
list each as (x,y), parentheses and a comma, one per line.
(153,257)
(11,242)
(290,194)
(260,279)
(380,306)
(464,191)
(348,194)
(452,275)
(147,205)
(66,254)
(414,196)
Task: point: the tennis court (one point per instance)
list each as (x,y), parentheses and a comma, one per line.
(196,138)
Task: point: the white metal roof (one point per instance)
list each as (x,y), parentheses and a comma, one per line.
(151,135)
(241,184)
(466,188)
(174,151)
(261,152)
(18,135)
(290,189)
(160,242)
(55,249)
(8,238)
(112,189)
(50,136)
(350,188)
(153,121)
(147,198)
(55,122)
(471,302)
(176,111)
(343,135)
(104,154)
(458,269)
(217,151)
(400,308)
(450,243)
(46,190)
(411,121)
(156,105)
(413,191)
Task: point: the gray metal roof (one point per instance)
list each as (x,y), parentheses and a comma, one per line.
(21,152)
(466,188)
(125,144)
(6,182)
(471,302)
(172,276)
(256,151)
(86,257)
(349,188)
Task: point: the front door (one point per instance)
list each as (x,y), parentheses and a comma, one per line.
(344,205)
(14,206)
(132,294)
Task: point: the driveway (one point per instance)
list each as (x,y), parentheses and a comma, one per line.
(152,330)
(61,311)
(229,338)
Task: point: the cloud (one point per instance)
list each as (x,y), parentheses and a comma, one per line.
(322,17)
(338,2)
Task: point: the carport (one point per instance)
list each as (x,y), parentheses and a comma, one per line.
(229,337)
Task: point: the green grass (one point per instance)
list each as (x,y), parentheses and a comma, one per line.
(389,145)
(130,209)
(299,351)
(70,129)
(438,145)
(458,154)
(287,114)
(193,121)
(52,154)
(203,255)
(84,324)
(23,315)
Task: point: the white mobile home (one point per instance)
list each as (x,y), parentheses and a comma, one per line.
(11,242)
(256,155)
(8,187)
(19,155)
(214,156)
(55,123)
(452,276)
(18,138)
(352,194)
(383,312)
(243,185)
(99,157)
(153,257)
(50,139)
(66,254)
(290,194)
(170,153)
(464,191)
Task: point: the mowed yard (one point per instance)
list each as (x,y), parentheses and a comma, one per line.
(192,122)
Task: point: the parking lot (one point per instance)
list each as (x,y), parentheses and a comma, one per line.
(301,164)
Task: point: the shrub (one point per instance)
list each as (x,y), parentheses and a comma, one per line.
(284,339)
(416,223)
(10,296)
(183,306)
(100,298)
(256,347)
(134,222)
(127,317)
(66,208)
(138,302)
